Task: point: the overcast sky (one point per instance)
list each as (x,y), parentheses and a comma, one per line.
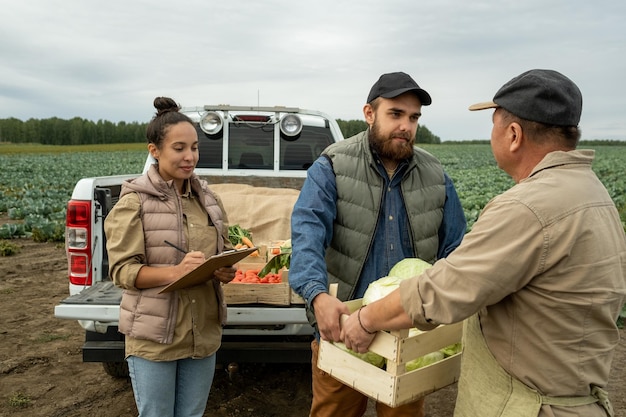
(109,59)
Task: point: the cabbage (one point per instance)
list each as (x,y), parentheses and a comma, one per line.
(433,356)
(405,269)
(380,288)
(414,331)
(369,357)
(286,246)
(409,268)
(425,360)
(452,349)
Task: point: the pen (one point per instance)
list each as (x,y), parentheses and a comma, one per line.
(175,247)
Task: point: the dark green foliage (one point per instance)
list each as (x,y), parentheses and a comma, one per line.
(236,232)
(8,248)
(426,136)
(48,231)
(35,188)
(351,127)
(76,131)
(12,230)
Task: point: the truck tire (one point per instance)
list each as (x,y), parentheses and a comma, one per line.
(116,369)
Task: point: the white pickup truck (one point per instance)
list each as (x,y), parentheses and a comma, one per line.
(259,149)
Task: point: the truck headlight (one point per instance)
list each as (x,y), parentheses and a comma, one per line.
(211,123)
(290,125)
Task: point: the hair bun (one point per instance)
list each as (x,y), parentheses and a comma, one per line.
(165,104)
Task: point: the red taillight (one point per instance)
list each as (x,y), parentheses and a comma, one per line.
(78,241)
(79,264)
(78,213)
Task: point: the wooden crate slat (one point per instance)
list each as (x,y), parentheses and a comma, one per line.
(394,386)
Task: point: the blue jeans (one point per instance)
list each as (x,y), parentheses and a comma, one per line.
(171,389)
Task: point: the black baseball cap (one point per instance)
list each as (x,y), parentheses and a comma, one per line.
(395,83)
(539,95)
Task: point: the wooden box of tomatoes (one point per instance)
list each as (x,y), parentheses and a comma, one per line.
(294,298)
(248,288)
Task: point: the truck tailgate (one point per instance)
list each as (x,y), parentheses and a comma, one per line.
(101,302)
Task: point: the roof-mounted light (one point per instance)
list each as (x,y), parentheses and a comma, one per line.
(290,125)
(211,123)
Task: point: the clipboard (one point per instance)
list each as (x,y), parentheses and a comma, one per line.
(205,271)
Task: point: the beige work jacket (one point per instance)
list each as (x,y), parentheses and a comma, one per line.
(545,264)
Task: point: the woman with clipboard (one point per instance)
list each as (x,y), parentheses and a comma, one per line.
(171,336)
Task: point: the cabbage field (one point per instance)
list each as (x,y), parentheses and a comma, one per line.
(36,181)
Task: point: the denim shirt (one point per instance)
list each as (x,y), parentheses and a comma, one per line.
(312,229)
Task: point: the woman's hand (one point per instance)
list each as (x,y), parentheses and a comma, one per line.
(150,276)
(225,274)
(191,261)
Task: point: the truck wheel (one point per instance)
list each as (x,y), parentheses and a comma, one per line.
(116,369)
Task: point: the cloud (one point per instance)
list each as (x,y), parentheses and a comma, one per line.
(109,60)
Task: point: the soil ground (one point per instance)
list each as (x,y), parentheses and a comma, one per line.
(42,373)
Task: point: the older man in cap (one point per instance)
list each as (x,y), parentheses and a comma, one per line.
(541,278)
(367,203)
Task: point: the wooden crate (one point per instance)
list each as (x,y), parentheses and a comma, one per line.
(393,385)
(293,297)
(279,294)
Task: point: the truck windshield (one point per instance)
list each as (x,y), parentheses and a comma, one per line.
(251,146)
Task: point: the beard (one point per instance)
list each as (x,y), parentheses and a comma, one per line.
(386,147)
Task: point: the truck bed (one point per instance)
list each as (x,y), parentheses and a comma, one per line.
(101,301)
(253,332)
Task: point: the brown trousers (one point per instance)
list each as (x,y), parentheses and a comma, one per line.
(331,398)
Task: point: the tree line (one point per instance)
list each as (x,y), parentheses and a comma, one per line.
(77,131)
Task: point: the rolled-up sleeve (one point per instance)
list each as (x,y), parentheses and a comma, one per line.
(501,254)
(125,241)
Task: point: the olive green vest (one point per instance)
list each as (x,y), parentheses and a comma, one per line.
(359,197)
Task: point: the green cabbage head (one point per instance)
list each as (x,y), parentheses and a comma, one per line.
(380,288)
(425,360)
(405,269)
(369,357)
(409,268)
(431,357)
(452,349)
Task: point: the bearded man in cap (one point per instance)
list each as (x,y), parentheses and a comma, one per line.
(367,203)
(541,278)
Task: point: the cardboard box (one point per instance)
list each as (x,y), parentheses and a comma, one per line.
(393,385)
(279,294)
